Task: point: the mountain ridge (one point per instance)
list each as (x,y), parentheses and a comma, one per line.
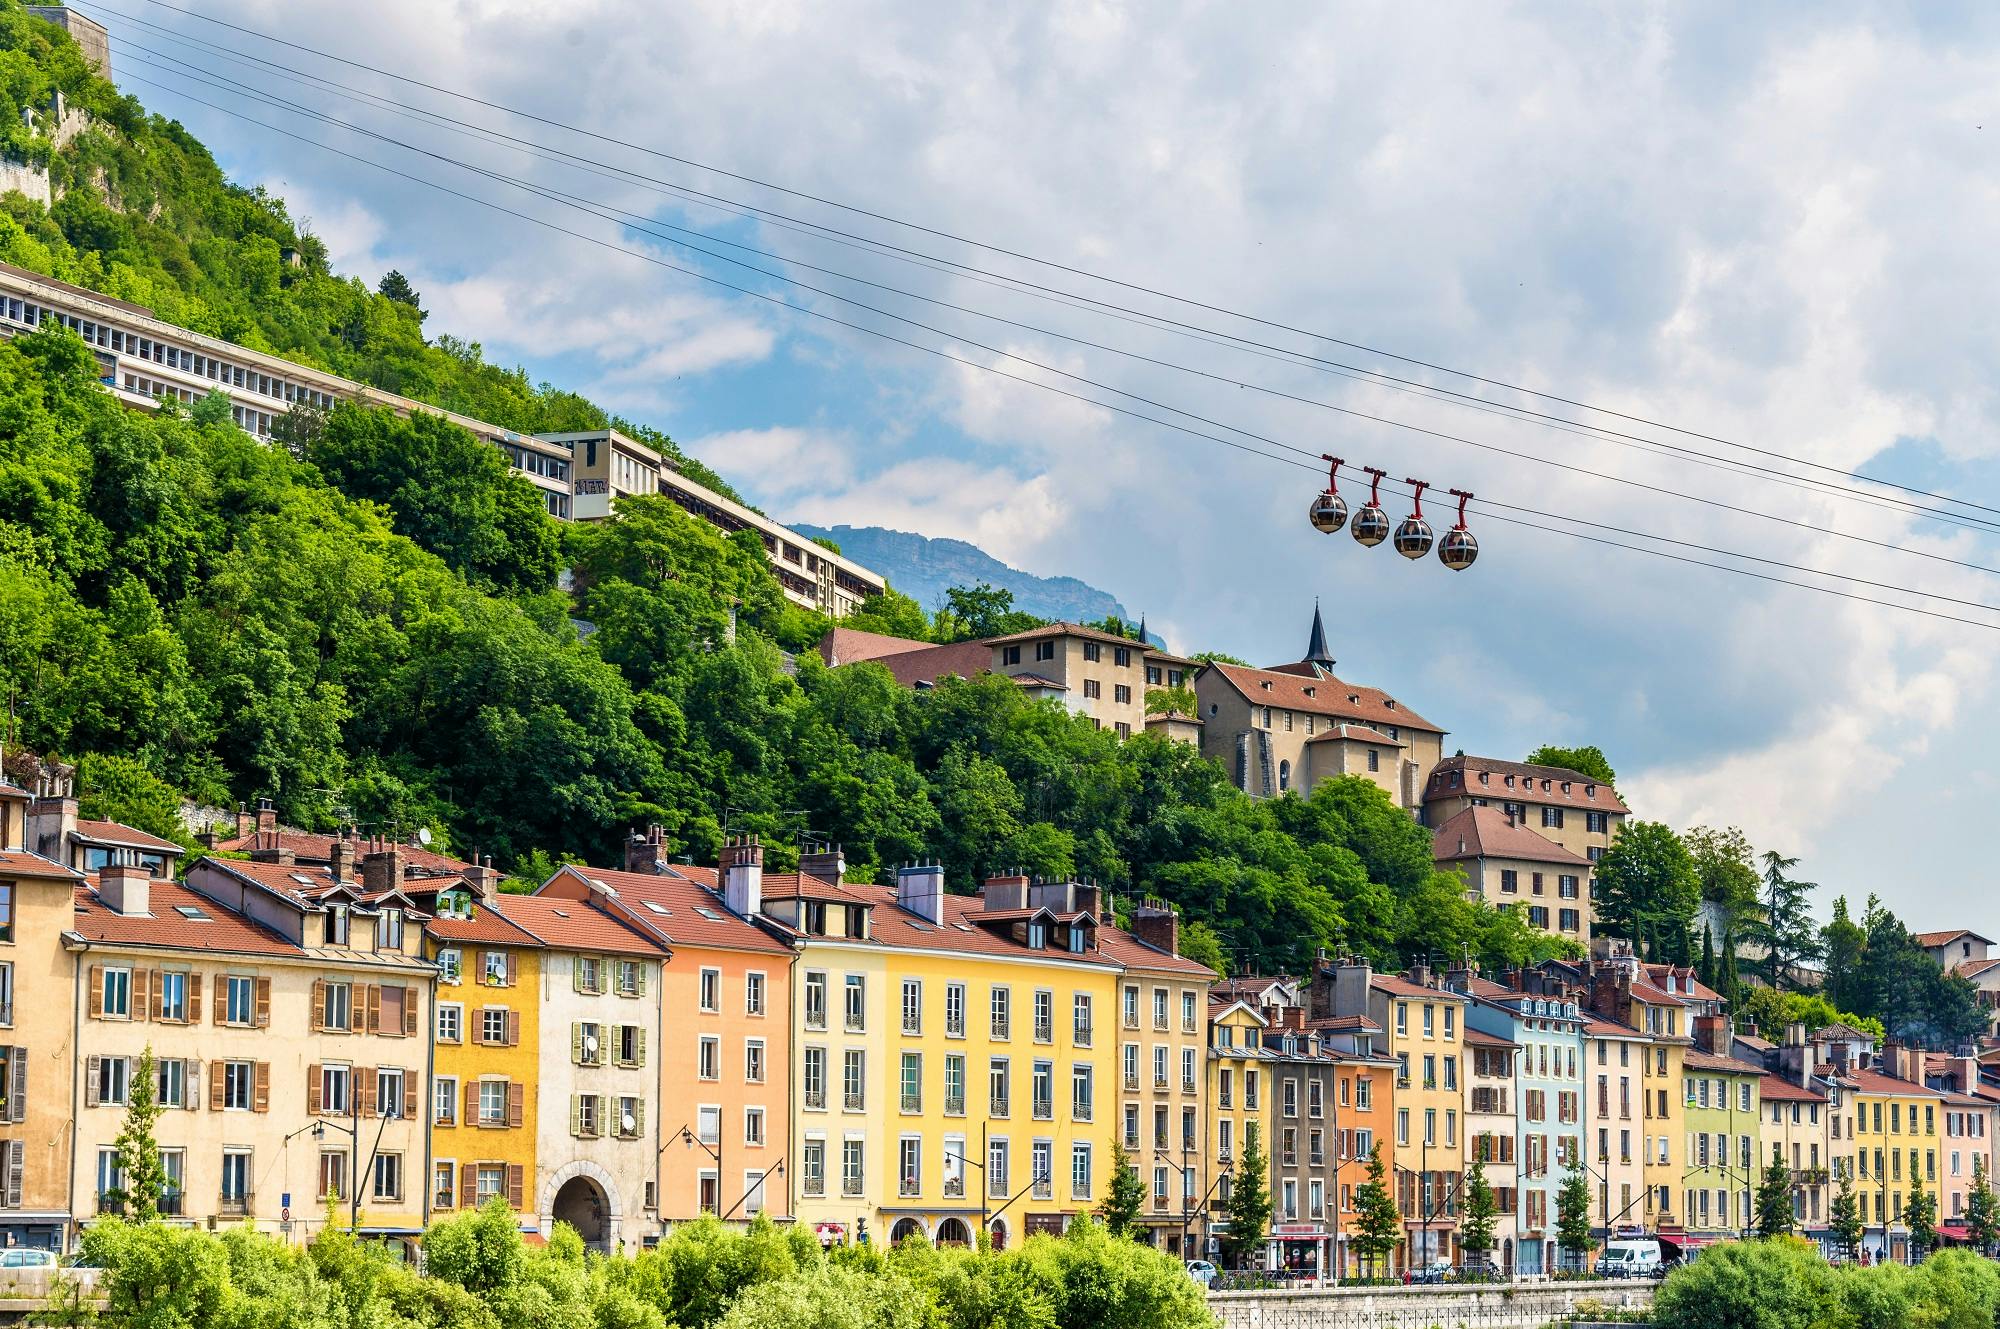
(925,567)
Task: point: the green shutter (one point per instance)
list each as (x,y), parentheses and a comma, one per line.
(639,1116)
(576,972)
(575,1114)
(576,1043)
(641,1032)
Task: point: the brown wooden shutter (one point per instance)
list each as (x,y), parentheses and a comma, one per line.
(409,1097)
(319,1005)
(263,1100)
(263,1003)
(516,1103)
(191,1085)
(194,999)
(374,1025)
(218,1010)
(14,1157)
(312,1090)
(90,1074)
(97,992)
(218,1075)
(468,1185)
(471,1103)
(409,1012)
(513,1029)
(142,994)
(17,1105)
(365,1083)
(516,1176)
(511,972)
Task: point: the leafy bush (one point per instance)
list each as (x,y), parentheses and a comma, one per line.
(1776,1284)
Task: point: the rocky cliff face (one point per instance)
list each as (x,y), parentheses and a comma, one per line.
(923,569)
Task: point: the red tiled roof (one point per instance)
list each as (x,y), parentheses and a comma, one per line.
(564,924)
(1340,1024)
(1695,1059)
(1328,696)
(312,849)
(13,790)
(488,926)
(1357,733)
(22,863)
(1403,987)
(1874,1082)
(1129,951)
(1775,1088)
(1527,786)
(850,645)
(892,925)
(1596,1026)
(1487,833)
(964,659)
(118,833)
(1480,1038)
(1078,630)
(805,886)
(683,896)
(1930,939)
(221,930)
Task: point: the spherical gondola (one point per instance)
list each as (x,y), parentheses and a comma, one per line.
(1413,535)
(1371,524)
(1329,511)
(1460,547)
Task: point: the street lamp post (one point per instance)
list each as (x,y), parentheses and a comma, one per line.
(1187,1212)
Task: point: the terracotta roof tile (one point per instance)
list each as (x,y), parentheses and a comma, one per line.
(1403,987)
(118,833)
(1129,951)
(1930,939)
(680,895)
(1775,1088)
(1486,833)
(21,863)
(1480,1038)
(488,926)
(1527,786)
(565,924)
(218,930)
(1328,696)
(851,645)
(1078,630)
(1874,1082)
(1697,1060)
(314,849)
(1357,733)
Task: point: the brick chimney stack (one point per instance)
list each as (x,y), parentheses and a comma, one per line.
(384,868)
(1003,890)
(340,855)
(648,852)
(126,888)
(267,817)
(482,878)
(1155,923)
(827,862)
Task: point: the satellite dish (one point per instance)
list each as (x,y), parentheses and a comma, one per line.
(630,1125)
(424,836)
(590,1045)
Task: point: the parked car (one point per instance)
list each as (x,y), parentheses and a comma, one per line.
(1479,1271)
(1437,1271)
(1202,1272)
(22,1258)
(1630,1259)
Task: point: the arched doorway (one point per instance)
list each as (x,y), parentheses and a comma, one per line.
(581,1204)
(999,1231)
(1507,1257)
(905,1228)
(953,1232)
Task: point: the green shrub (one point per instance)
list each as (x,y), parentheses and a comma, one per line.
(1776,1284)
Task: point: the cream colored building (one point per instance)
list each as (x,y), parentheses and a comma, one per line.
(1286,728)
(1797,1126)
(1505,863)
(1616,1110)
(288,1013)
(1568,807)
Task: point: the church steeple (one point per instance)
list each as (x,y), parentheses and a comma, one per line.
(1317,653)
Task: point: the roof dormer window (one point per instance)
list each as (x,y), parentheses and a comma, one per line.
(1038,936)
(1590,791)
(1266,685)
(1311,691)
(1565,787)
(1485,777)
(1389,702)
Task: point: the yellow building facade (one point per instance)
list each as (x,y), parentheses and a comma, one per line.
(1895,1139)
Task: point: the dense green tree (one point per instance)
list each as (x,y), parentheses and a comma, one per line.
(143,1185)
(1573,1214)
(1766,1284)
(1726,865)
(972,612)
(395,286)
(1982,1208)
(1378,1224)
(1844,1216)
(1125,1201)
(1249,1203)
(1479,1214)
(1843,941)
(1589,761)
(1647,889)
(1774,1197)
(1784,924)
(1920,1214)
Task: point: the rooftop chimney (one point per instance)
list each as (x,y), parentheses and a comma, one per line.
(482,879)
(1711,1034)
(13,818)
(382,870)
(743,875)
(51,823)
(827,862)
(245,823)
(126,888)
(1155,923)
(1005,891)
(920,889)
(646,853)
(340,856)
(1087,897)
(267,817)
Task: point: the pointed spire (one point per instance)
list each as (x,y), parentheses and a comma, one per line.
(1316,650)
(1143,638)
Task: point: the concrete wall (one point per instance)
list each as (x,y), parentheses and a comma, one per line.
(1530,1307)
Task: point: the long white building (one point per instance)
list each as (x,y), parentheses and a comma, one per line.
(144,359)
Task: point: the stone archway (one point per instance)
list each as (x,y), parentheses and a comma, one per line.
(954,1232)
(583,1195)
(905,1229)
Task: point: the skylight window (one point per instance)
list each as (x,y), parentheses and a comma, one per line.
(708,913)
(303,880)
(192,911)
(658,908)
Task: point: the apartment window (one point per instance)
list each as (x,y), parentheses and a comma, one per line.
(1159,1066)
(711,989)
(708,1058)
(1079,1171)
(913,1006)
(1041,1091)
(855,1010)
(815,1000)
(1001,1004)
(236,1176)
(1045,1016)
(114,1076)
(631,978)
(239,1085)
(1093,652)
(1010,655)
(954,1084)
(1552,817)
(117,994)
(854,1080)
(583,1116)
(1159,1008)
(389,930)
(110,1177)
(493,1026)
(909,1165)
(172,999)
(628,1044)
(1080,1092)
(389,1175)
(337,1012)
(171,1089)
(753,1060)
(1092,689)
(999,1099)
(450,1023)
(587,975)
(911,1082)
(813,1075)
(853,1157)
(6,911)
(813,1180)
(1080,1019)
(1121,694)
(1596,821)
(753,1125)
(333,1176)
(954,1010)
(753,994)
(444,1100)
(1189,1018)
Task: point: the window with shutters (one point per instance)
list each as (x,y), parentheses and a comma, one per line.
(6,993)
(333,1089)
(171,1091)
(629,1042)
(113,1080)
(753,1060)
(389,1091)
(588,975)
(337,1007)
(389,1175)
(493,1025)
(393,1002)
(630,982)
(490,1181)
(708,1058)
(116,994)
(172,999)
(13,1083)
(239,1083)
(239,999)
(492,1102)
(753,993)
(444,1179)
(631,1118)
(584,1115)
(444,1100)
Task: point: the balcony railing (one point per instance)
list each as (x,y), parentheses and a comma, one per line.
(996,1183)
(238,1205)
(815,1186)
(856,1022)
(6,1012)
(954,1188)
(1045,1031)
(1188,1023)
(1188,1085)
(913,1102)
(1291,1157)
(1044,1109)
(1044,1188)
(1000,1027)
(815,1019)
(1160,1021)
(1079,1188)
(815,1098)
(850,1186)
(954,1105)
(1160,1080)
(1131,1020)
(854,1102)
(998,1106)
(1159,1200)
(1080,1111)
(908,1186)
(1082,1034)
(912,1024)
(1131,1079)
(1131,1140)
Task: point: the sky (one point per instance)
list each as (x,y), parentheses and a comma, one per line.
(1771,226)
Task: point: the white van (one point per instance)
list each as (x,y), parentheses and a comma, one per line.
(1630,1259)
